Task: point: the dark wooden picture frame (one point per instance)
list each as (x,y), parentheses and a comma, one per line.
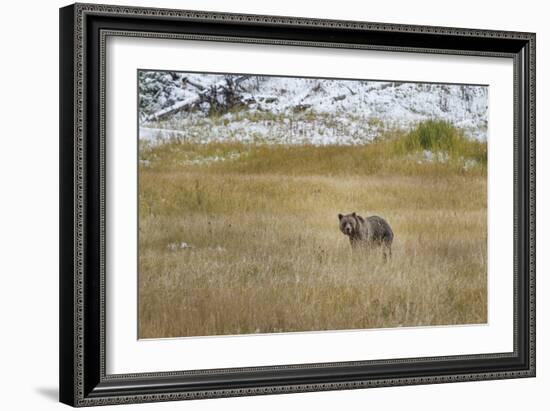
(83,380)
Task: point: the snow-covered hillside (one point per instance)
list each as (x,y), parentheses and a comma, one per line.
(302,110)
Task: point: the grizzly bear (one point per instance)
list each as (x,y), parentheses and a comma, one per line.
(366,233)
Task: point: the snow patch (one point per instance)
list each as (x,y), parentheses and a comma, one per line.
(319,111)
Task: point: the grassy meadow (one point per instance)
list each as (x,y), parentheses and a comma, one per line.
(243,238)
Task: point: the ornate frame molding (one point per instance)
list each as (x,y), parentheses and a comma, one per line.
(112,389)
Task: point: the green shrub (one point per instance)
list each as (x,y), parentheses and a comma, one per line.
(433,135)
(441,136)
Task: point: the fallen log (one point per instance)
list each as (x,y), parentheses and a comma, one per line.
(180,105)
(201,96)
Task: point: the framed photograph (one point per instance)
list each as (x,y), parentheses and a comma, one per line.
(261,204)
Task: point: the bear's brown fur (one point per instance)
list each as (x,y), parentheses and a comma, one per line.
(365,233)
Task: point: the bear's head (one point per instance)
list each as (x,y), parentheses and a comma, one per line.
(349,223)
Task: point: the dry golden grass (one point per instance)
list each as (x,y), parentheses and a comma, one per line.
(267,256)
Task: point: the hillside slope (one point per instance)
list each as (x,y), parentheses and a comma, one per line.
(306,110)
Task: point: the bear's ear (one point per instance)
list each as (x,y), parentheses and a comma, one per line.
(340,216)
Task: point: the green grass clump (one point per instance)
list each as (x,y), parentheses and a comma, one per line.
(434,135)
(441,136)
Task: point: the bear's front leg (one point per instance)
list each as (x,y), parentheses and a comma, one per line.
(355,243)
